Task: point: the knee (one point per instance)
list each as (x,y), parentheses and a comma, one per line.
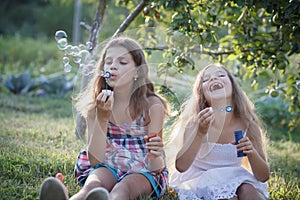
(91,185)
(247,192)
(82,194)
(120,191)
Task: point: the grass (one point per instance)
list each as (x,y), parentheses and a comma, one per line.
(37,140)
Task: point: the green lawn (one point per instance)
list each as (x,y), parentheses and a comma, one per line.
(37,140)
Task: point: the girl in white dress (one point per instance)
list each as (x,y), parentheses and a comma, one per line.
(207,166)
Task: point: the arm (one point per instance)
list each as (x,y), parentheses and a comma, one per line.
(97,120)
(255,156)
(194,135)
(155,144)
(259,166)
(193,138)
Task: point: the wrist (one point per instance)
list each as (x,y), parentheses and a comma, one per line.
(155,163)
(201,134)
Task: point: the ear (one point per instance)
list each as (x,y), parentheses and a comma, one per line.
(136,76)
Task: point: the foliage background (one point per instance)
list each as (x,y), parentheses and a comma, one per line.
(37,138)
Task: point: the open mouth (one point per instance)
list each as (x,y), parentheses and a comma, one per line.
(216,86)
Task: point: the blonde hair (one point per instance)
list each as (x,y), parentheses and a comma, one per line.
(243,109)
(142,87)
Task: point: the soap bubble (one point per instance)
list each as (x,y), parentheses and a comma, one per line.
(62,43)
(86,70)
(75,50)
(68,50)
(60,35)
(89,46)
(67,67)
(82,47)
(66,60)
(77,58)
(84,55)
(74,54)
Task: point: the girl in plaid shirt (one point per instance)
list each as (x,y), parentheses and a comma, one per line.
(125,157)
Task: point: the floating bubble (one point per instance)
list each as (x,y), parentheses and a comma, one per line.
(67,67)
(62,43)
(84,55)
(86,70)
(89,46)
(81,66)
(82,47)
(75,50)
(68,50)
(60,34)
(77,59)
(93,63)
(66,60)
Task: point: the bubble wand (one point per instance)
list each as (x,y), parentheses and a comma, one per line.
(106,76)
(227,109)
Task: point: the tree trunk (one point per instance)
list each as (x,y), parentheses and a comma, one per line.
(80,121)
(76,21)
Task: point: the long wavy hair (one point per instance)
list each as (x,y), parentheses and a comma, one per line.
(142,87)
(243,109)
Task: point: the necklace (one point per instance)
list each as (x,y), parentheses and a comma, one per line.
(226,109)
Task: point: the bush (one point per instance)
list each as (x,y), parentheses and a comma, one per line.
(276,116)
(39,56)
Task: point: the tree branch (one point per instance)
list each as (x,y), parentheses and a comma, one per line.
(97,23)
(195,50)
(86,26)
(130,18)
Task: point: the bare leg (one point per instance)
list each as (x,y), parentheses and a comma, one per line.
(131,187)
(248,192)
(101,177)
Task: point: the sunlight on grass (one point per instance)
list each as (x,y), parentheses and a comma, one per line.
(37,140)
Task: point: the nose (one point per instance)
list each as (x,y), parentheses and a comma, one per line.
(113,66)
(213,78)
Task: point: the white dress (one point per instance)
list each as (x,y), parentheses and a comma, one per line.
(215,173)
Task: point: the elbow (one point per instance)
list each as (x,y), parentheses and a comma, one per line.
(179,167)
(93,160)
(264,177)
(93,163)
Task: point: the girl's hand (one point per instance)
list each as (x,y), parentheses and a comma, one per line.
(154,146)
(205,118)
(245,145)
(104,103)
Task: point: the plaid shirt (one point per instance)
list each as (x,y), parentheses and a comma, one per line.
(125,152)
